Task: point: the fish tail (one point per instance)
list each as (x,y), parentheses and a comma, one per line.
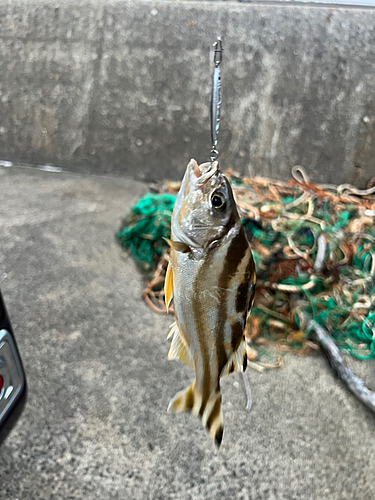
(190,399)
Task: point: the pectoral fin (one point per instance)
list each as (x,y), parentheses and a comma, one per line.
(168,286)
(178,245)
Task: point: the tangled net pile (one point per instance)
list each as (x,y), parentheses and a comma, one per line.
(314,251)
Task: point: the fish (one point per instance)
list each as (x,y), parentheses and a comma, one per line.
(211,280)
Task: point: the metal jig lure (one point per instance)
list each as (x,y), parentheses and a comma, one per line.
(216,98)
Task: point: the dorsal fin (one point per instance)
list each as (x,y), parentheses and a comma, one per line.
(237,361)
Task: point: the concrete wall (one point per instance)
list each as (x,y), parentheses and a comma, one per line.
(122,87)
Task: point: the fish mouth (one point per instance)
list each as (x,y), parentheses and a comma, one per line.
(205,171)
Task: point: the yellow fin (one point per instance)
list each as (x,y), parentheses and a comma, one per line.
(168,286)
(178,350)
(172,329)
(190,399)
(186,400)
(237,361)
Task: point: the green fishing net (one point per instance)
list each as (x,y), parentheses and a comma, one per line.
(142,231)
(314,251)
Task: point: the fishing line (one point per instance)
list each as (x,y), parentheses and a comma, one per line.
(249,400)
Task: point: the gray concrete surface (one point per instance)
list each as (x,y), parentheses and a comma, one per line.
(124,87)
(95,425)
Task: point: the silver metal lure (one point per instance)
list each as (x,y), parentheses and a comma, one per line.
(216,98)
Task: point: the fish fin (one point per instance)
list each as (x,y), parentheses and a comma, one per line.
(237,361)
(178,349)
(172,329)
(168,286)
(252,294)
(168,241)
(178,245)
(190,399)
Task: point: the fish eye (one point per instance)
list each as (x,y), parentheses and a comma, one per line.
(218,202)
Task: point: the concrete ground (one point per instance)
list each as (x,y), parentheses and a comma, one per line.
(95,425)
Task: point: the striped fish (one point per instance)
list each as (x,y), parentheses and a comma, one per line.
(211,279)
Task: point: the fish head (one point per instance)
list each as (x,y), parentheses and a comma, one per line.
(205,209)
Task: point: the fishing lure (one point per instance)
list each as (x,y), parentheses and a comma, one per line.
(216,98)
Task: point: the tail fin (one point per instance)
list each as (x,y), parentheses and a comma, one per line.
(190,399)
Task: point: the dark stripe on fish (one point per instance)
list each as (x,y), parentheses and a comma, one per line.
(244,362)
(237,334)
(236,251)
(201,325)
(219,436)
(251,299)
(243,289)
(242,294)
(189,401)
(215,412)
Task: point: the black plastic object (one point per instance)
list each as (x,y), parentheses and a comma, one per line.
(13,389)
